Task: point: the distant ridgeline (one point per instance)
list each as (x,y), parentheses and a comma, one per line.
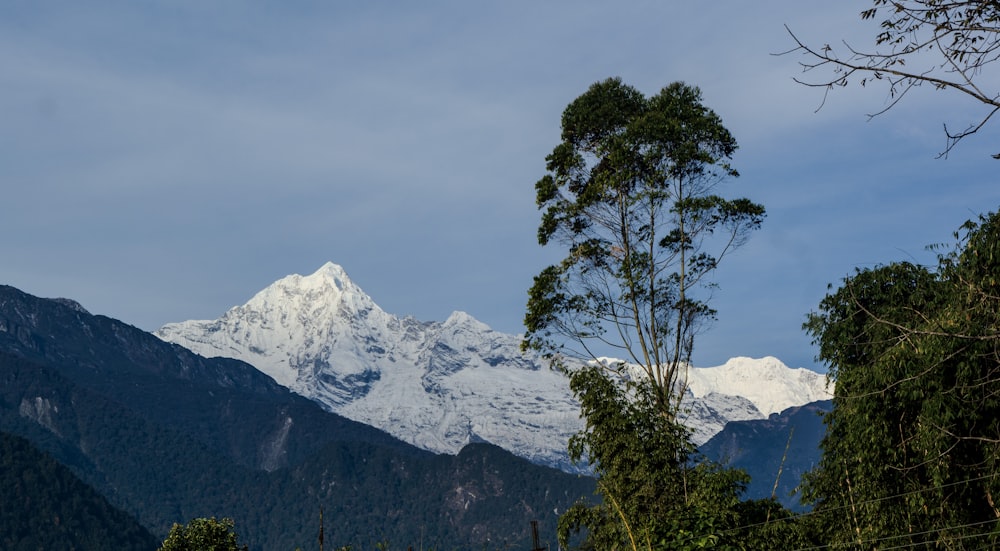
(168,436)
(775,452)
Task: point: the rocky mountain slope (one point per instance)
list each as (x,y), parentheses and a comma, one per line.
(442,385)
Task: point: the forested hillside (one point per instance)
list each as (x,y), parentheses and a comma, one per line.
(45,506)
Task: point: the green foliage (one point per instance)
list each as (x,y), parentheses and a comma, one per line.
(640,459)
(913,442)
(765,525)
(630,194)
(203,534)
(657,491)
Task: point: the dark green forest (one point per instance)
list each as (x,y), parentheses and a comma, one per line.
(45,506)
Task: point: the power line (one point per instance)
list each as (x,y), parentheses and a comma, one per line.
(911,535)
(873,501)
(860,503)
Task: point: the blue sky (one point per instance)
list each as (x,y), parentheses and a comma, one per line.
(164,161)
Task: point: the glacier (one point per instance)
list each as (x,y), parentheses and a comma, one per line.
(442,385)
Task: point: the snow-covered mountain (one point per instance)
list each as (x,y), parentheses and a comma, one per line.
(441,385)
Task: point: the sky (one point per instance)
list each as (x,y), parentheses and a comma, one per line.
(165,160)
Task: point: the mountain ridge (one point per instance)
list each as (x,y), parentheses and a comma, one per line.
(776,452)
(442,385)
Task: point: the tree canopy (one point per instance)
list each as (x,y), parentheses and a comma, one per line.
(203,534)
(912,450)
(948,45)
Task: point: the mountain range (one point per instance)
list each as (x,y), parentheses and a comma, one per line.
(167,435)
(443,385)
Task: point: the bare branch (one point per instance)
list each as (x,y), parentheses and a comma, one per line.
(963,37)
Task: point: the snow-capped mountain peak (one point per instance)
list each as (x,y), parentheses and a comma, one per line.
(334,272)
(323,292)
(766,382)
(459,318)
(441,385)
(292,328)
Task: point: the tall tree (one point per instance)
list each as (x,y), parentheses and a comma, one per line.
(912,451)
(630,194)
(947,45)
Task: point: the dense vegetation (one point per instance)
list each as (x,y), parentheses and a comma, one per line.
(46,507)
(203,534)
(912,451)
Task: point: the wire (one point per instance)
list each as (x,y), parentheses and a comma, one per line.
(860,503)
(914,534)
(872,501)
